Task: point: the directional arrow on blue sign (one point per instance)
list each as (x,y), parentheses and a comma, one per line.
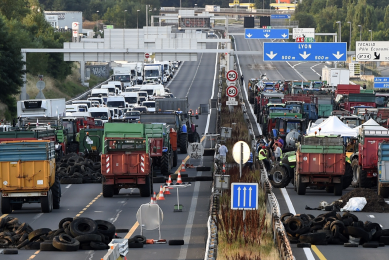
(280,16)
(244,196)
(295,51)
(381,82)
(266,34)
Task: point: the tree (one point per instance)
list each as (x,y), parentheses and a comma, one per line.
(11,64)
(305,20)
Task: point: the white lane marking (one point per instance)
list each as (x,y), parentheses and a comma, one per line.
(315,70)
(189,223)
(113,220)
(296,71)
(307,251)
(372,216)
(213,90)
(198,66)
(245,91)
(98,211)
(90,254)
(174,75)
(67,187)
(121,201)
(37,216)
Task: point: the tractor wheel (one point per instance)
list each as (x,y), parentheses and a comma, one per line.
(356,172)
(145,189)
(165,169)
(184,143)
(348,176)
(280,178)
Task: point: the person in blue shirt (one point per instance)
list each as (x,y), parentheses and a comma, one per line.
(249,163)
(279,139)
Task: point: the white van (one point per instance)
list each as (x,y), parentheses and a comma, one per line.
(117,84)
(112,90)
(132,89)
(116,112)
(85,102)
(116,101)
(76,108)
(150,105)
(99,100)
(99,92)
(131,98)
(153,90)
(101,113)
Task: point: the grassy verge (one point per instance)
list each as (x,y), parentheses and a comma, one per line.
(252,237)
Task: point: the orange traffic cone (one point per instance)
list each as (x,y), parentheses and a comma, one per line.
(183,167)
(166,191)
(179,181)
(161,196)
(224,168)
(196,112)
(154,198)
(169,181)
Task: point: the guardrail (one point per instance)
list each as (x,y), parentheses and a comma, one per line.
(227,10)
(87,92)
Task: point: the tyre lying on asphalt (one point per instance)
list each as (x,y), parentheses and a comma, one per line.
(333,228)
(71,235)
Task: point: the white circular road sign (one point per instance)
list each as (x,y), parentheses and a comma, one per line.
(232,75)
(232,91)
(238,150)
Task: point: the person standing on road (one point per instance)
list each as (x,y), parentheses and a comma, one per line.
(241,79)
(279,139)
(223,153)
(277,152)
(262,156)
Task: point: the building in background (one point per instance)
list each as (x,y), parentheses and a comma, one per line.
(62,20)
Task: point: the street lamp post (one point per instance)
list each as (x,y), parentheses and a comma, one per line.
(360,32)
(137,25)
(97,21)
(124,21)
(371,35)
(340,30)
(349,46)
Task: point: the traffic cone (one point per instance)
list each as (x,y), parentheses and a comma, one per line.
(224,168)
(154,198)
(196,112)
(169,181)
(183,167)
(166,191)
(161,196)
(179,181)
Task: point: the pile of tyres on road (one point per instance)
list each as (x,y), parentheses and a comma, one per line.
(75,169)
(333,228)
(71,235)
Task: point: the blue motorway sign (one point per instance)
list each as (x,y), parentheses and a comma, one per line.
(280,16)
(244,196)
(266,34)
(304,51)
(381,82)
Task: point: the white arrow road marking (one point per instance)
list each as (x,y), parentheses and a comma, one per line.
(271,55)
(249,35)
(284,35)
(266,35)
(244,197)
(305,55)
(250,197)
(238,197)
(338,55)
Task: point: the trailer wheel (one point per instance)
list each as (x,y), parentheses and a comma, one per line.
(356,170)
(145,189)
(338,188)
(108,191)
(301,187)
(383,191)
(47,202)
(5,206)
(329,189)
(348,176)
(175,158)
(280,178)
(56,191)
(364,181)
(184,143)
(116,191)
(165,165)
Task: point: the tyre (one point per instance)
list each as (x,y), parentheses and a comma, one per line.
(319,220)
(21,245)
(10,251)
(85,246)
(364,181)
(37,233)
(71,180)
(99,246)
(88,238)
(106,228)
(176,242)
(356,170)
(47,202)
(351,215)
(348,176)
(165,165)
(21,228)
(47,246)
(83,226)
(329,189)
(60,224)
(338,188)
(65,246)
(183,143)
(108,191)
(358,232)
(56,191)
(383,191)
(293,225)
(350,245)
(65,238)
(5,206)
(313,238)
(370,245)
(303,245)
(175,158)
(17,206)
(285,216)
(301,187)
(116,191)
(197,138)
(280,178)
(384,239)
(145,189)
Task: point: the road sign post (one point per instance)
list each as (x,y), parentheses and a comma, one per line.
(372,51)
(293,51)
(381,82)
(266,34)
(241,154)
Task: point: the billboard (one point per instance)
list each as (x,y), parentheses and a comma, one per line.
(194,22)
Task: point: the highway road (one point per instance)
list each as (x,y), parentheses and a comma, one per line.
(195,80)
(253,66)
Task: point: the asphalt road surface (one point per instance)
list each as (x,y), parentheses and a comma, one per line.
(195,80)
(253,66)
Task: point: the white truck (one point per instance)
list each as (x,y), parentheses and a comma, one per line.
(101,113)
(131,98)
(41,108)
(335,76)
(122,74)
(153,72)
